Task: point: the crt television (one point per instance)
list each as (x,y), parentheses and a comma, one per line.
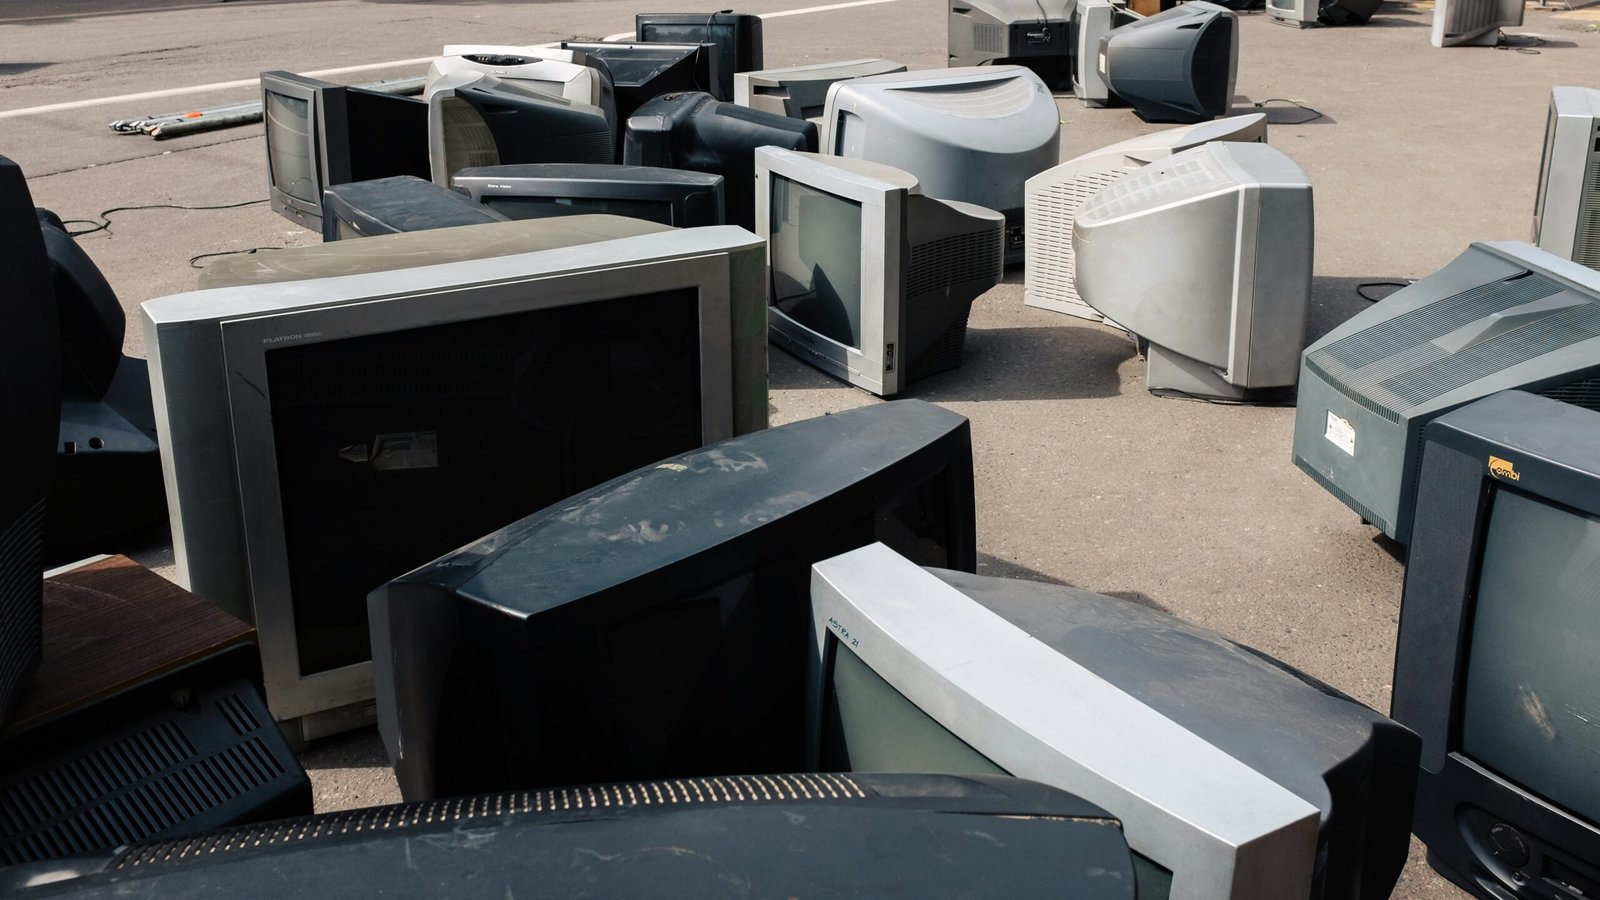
(1495,663)
(1473,23)
(640,73)
(1234,775)
(655,626)
(1054,196)
(801,92)
(1566,209)
(1206,256)
(733,38)
(322,436)
(479,120)
(294,177)
(1500,316)
(560,77)
(1091,21)
(668,196)
(871,281)
(1178,65)
(1013,32)
(396,205)
(1295,13)
(972,134)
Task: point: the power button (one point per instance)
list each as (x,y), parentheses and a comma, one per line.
(1508,846)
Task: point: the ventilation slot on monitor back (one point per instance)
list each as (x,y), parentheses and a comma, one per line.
(1586,242)
(973,256)
(1355,505)
(238,714)
(20,600)
(468,142)
(1437,377)
(1051,212)
(1584,393)
(943,354)
(989,38)
(1469,17)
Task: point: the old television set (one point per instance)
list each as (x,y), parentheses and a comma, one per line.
(1566,209)
(1500,316)
(1297,13)
(973,134)
(395,206)
(1494,666)
(1233,774)
(640,73)
(872,282)
(1178,65)
(548,71)
(734,38)
(477,120)
(1347,12)
(668,196)
(294,174)
(1055,195)
(1091,21)
(655,626)
(801,92)
(1473,23)
(1012,32)
(323,436)
(696,132)
(1206,257)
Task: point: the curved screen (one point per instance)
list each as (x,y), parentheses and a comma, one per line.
(816,272)
(289,141)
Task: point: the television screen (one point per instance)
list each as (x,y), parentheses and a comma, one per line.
(816,270)
(365,135)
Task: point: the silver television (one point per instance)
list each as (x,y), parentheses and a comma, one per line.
(1501,316)
(1473,23)
(1055,195)
(973,134)
(801,92)
(1297,13)
(1206,256)
(1091,21)
(549,71)
(320,437)
(1566,210)
(871,281)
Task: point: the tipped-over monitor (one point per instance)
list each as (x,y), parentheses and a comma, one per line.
(1495,663)
(974,134)
(1500,316)
(668,196)
(655,626)
(1054,197)
(1206,256)
(478,120)
(1234,775)
(397,205)
(801,92)
(324,436)
(701,134)
(1178,65)
(1473,23)
(1091,21)
(871,281)
(1566,210)
(734,38)
(1012,32)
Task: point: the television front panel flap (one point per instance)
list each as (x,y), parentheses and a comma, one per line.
(1178,65)
(1501,316)
(1474,23)
(801,92)
(1566,211)
(1055,195)
(1222,828)
(320,437)
(560,78)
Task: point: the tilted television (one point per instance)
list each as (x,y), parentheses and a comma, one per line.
(1014,33)
(322,436)
(801,92)
(477,120)
(1091,21)
(1495,663)
(395,206)
(734,38)
(871,281)
(1347,12)
(1054,197)
(655,626)
(1206,256)
(1500,316)
(1473,23)
(1178,65)
(1566,209)
(668,196)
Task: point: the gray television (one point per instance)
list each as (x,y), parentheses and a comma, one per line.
(1501,316)
(668,196)
(1013,32)
(871,281)
(1295,13)
(1473,23)
(801,92)
(1091,21)
(1055,195)
(1178,65)
(1566,210)
(1206,257)
(321,436)
(973,134)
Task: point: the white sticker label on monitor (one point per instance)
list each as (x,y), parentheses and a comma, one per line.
(1341,433)
(1102,62)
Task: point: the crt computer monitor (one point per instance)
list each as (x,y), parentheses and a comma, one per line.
(1091,21)
(972,134)
(1055,195)
(1495,663)
(1234,775)
(478,120)
(697,132)
(734,38)
(668,196)
(1178,65)
(655,626)
(1206,256)
(1473,23)
(801,92)
(1013,32)
(871,281)
(395,206)
(1566,209)
(322,436)
(1500,316)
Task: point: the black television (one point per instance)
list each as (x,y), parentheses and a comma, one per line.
(735,36)
(695,131)
(640,73)
(1346,12)
(667,196)
(294,177)
(1495,666)
(364,134)
(655,626)
(479,120)
(1178,65)
(396,205)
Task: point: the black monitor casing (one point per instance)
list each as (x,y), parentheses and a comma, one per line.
(1012,33)
(1346,12)
(1482,829)
(736,37)
(525,126)
(673,196)
(395,205)
(639,73)
(1178,65)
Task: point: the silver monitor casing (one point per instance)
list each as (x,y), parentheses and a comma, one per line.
(1298,13)
(1223,829)
(1055,195)
(213,410)
(1093,20)
(1473,23)
(1566,211)
(801,92)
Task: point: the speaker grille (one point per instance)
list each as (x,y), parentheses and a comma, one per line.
(973,256)
(1051,270)
(1585,393)
(21,604)
(1586,243)
(989,38)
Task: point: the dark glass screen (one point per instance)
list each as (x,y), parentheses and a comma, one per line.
(815,248)
(289,147)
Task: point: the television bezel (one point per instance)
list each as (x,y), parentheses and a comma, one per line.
(307,214)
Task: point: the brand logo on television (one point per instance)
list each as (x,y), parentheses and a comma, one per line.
(1037,37)
(1504,468)
(843,632)
(290,337)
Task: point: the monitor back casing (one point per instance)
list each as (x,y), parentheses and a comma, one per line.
(1091,21)
(1012,32)
(1473,23)
(668,196)
(1178,65)
(1295,13)
(1501,316)
(395,206)
(364,135)
(733,38)
(477,120)
(1347,12)
(1566,210)
(801,92)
